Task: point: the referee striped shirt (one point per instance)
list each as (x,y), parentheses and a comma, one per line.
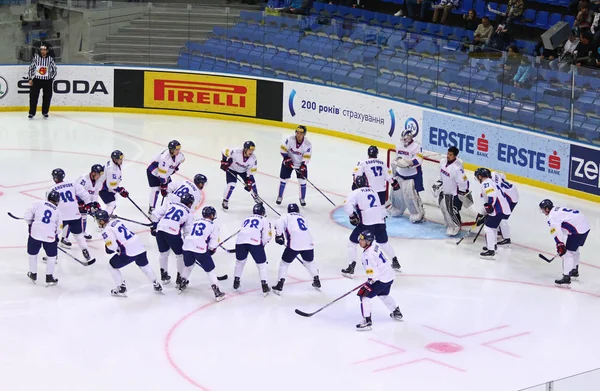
(42,68)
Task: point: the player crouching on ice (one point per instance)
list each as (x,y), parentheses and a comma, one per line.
(380,279)
(571,225)
(497,212)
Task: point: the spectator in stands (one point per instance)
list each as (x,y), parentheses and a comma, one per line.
(514,11)
(298,7)
(595,28)
(418,9)
(444,7)
(522,77)
(511,64)
(585,49)
(483,32)
(565,59)
(470,20)
(499,39)
(584,17)
(545,56)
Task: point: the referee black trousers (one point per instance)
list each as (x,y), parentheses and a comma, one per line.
(34,94)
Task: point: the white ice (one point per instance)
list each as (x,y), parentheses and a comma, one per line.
(470,324)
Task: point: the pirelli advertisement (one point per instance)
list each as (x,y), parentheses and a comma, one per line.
(195,92)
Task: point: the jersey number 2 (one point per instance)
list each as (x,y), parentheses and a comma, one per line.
(128,235)
(371,198)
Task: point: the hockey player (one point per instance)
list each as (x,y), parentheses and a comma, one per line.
(570,229)
(510,192)
(252,239)
(296,151)
(160,170)
(200,243)
(299,242)
(452,190)
(127,248)
(112,182)
(365,212)
(380,279)
(409,174)
(178,189)
(69,209)
(43,220)
(91,183)
(376,172)
(239,162)
(496,210)
(169,220)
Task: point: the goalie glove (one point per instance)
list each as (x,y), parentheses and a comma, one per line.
(354,219)
(436,188)
(395,185)
(561,249)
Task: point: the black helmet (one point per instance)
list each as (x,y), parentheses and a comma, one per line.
(54,197)
(373,151)
(249,145)
(293,208)
(187,199)
(361,181)
(367,235)
(483,172)
(174,144)
(200,178)
(209,212)
(546,204)
(259,209)
(97,168)
(116,154)
(58,174)
(102,215)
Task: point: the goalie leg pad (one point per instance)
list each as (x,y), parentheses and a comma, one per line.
(396,205)
(413,201)
(450,213)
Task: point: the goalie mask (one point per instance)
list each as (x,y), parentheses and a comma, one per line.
(407,137)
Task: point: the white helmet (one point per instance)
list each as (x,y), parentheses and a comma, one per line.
(407,135)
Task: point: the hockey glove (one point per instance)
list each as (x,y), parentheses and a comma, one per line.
(480,219)
(82,207)
(108,250)
(163,190)
(302,171)
(287,162)
(92,208)
(561,249)
(395,185)
(365,289)
(153,229)
(212,251)
(279,239)
(249,183)
(354,219)
(124,193)
(489,208)
(225,163)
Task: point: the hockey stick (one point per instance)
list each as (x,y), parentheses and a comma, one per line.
(138,208)
(230,251)
(309,314)
(547,259)
(255,196)
(478,232)
(77,260)
(317,189)
(467,234)
(131,221)
(15,217)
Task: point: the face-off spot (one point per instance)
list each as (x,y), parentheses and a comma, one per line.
(443,347)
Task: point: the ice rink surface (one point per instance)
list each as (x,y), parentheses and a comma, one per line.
(470,324)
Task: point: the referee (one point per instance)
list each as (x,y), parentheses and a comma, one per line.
(42,72)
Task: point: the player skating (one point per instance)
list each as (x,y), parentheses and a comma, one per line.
(43,220)
(111,182)
(169,221)
(160,170)
(511,194)
(376,172)
(380,279)
(199,244)
(296,151)
(409,174)
(178,189)
(239,162)
(252,239)
(365,212)
(570,229)
(299,241)
(127,248)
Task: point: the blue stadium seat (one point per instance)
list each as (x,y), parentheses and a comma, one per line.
(488,13)
(541,20)
(464,8)
(480,7)
(570,19)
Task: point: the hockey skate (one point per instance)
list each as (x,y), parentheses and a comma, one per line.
(396,315)
(279,287)
(574,274)
(87,236)
(495,248)
(395,264)
(225,205)
(178,279)
(165,278)
(265,287)
(120,291)
(218,294)
(236,283)
(349,271)
(157,287)
(302,202)
(183,283)
(488,254)
(65,243)
(564,282)
(32,276)
(279,200)
(50,280)
(365,325)
(86,255)
(505,242)
(316,283)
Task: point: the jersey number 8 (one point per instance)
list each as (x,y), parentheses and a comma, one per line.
(181,191)
(47,216)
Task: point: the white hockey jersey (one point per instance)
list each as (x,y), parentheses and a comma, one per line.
(255,230)
(564,222)
(118,237)
(453,177)
(299,153)
(365,202)
(44,218)
(491,194)
(202,236)
(376,171)
(413,153)
(508,189)
(298,236)
(69,191)
(376,264)
(112,177)
(172,217)
(164,165)
(240,163)
(92,187)
(177,189)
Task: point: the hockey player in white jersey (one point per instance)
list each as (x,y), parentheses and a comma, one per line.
(111,182)
(178,189)
(409,174)
(365,212)
(376,172)
(239,162)
(380,278)
(160,170)
(296,151)
(252,239)
(43,219)
(452,191)
(292,231)
(69,209)
(199,244)
(510,192)
(125,248)
(570,229)
(91,183)
(496,210)
(168,222)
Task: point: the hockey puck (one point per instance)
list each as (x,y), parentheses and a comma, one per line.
(222,278)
